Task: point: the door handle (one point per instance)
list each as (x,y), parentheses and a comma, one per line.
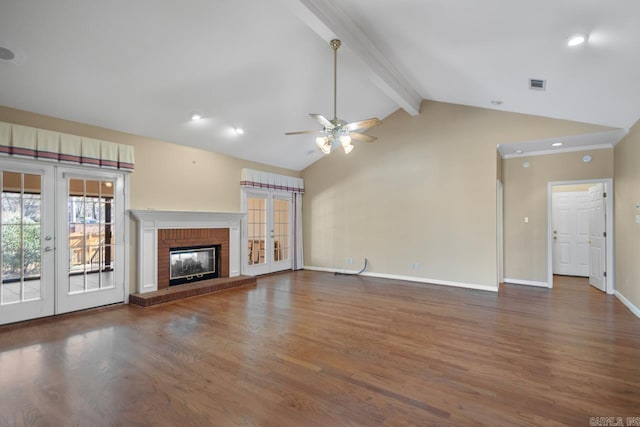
(48,238)
(589,241)
(48,249)
(555,238)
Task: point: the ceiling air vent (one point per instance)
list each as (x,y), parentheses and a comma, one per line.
(537,84)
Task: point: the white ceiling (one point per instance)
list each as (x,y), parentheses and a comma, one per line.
(145,66)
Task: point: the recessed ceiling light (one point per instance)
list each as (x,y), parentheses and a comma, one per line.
(6,54)
(577,39)
(557,144)
(238,131)
(195,117)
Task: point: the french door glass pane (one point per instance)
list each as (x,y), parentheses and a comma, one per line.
(280,229)
(257,229)
(90,234)
(21,237)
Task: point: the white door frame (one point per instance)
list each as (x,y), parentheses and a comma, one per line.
(268,267)
(45,305)
(608,183)
(66,302)
(54,194)
(500,230)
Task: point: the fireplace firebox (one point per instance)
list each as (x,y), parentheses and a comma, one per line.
(193,263)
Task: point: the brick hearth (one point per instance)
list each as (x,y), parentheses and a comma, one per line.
(190,290)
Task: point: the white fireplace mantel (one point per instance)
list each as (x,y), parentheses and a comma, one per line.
(150,221)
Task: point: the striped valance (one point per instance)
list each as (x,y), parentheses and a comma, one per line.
(24,141)
(272,181)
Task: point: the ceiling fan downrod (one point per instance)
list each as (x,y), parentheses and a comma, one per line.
(335,45)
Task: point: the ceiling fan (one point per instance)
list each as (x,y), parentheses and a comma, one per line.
(338,132)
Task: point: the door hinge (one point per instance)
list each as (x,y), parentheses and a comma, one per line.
(604,195)
(605,274)
(604,234)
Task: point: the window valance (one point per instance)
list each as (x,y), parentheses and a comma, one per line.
(24,141)
(271,181)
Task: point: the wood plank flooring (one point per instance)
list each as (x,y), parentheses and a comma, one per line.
(314,349)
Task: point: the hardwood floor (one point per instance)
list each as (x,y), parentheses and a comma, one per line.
(314,349)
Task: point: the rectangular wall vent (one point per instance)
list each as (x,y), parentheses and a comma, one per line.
(537,84)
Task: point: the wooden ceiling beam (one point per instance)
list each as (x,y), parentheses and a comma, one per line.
(328,20)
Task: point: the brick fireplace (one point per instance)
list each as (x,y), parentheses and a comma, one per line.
(159,231)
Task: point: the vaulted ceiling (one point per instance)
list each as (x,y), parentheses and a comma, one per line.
(147,66)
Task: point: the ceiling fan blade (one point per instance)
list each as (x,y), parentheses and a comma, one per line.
(301,132)
(362,137)
(362,124)
(322,120)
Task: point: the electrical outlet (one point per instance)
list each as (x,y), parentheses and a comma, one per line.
(415,266)
(349,261)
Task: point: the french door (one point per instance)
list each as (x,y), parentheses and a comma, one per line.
(267,231)
(62,239)
(90,236)
(27,288)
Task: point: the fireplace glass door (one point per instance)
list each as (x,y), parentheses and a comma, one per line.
(268,231)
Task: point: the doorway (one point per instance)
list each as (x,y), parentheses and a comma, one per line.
(62,239)
(580,231)
(268,231)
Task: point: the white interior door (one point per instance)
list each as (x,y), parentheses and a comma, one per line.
(597,239)
(571,233)
(27,257)
(90,239)
(267,231)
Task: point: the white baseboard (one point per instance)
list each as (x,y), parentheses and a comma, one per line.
(408,279)
(526,283)
(635,310)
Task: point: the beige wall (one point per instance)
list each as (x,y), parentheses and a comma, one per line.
(424,192)
(163,169)
(525,195)
(167,176)
(627,231)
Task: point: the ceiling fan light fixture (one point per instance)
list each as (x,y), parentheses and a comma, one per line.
(321,141)
(347,148)
(345,140)
(326,148)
